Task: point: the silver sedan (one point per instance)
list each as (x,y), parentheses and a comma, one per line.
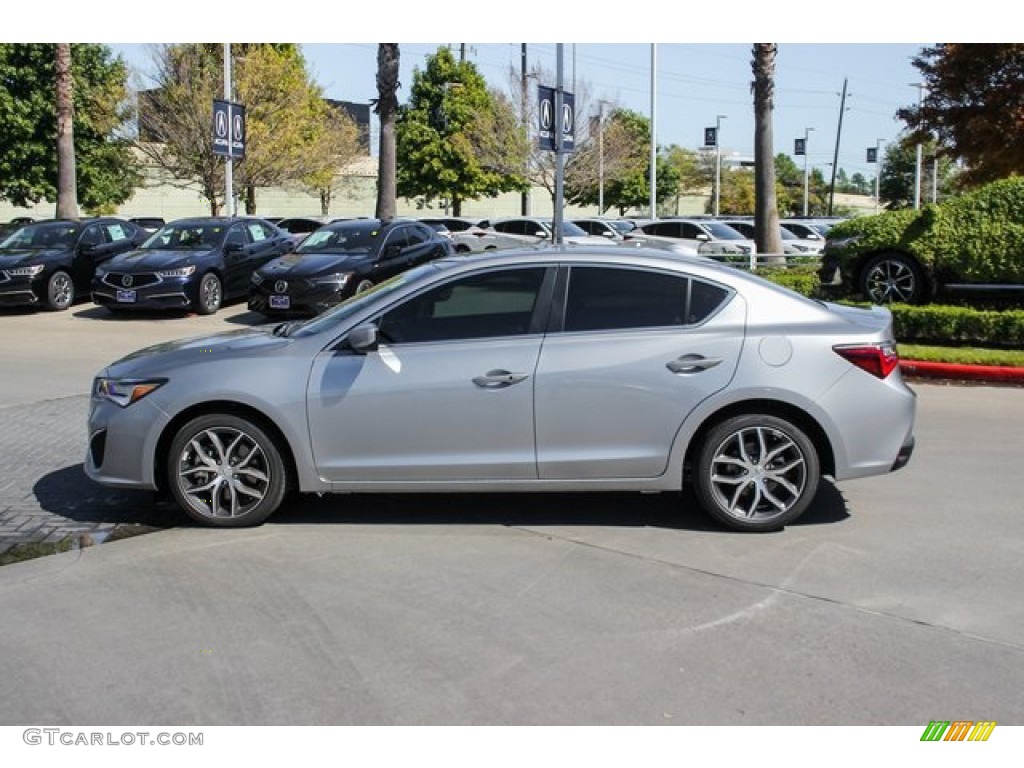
(573,369)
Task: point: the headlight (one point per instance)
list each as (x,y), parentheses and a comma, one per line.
(124,392)
(179,272)
(26,271)
(340,279)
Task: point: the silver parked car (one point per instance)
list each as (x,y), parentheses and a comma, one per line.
(559,369)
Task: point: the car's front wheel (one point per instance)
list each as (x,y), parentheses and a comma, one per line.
(893,277)
(364,285)
(60,291)
(226,471)
(211,294)
(756,472)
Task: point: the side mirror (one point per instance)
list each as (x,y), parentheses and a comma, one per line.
(363,339)
(608,234)
(703,237)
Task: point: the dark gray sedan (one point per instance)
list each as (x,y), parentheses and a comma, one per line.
(543,370)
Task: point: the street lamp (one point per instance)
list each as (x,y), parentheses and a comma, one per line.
(718,159)
(917,168)
(600,157)
(878,173)
(807,134)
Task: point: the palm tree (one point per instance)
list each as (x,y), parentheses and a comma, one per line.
(67,193)
(766,211)
(387,107)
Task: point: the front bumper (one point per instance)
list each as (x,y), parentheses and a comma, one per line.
(22,291)
(169,293)
(305,299)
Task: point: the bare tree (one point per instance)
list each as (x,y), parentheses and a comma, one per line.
(67,186)
(386,106)
(766,212)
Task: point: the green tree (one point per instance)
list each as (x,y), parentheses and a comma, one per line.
(456,141)
(106,170)
(896,183)
(627,138)
(335,146)
(284,115)
(974,106)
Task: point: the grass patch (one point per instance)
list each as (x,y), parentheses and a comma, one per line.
(962,355)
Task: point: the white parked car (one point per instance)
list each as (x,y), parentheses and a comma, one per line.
(701,237)
(526,230)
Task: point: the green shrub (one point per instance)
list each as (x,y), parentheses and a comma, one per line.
(803,280)
(959,325)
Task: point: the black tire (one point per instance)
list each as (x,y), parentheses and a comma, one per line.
(363,285)
(210,294)
(756,472)
(225,471)
(893,277)
(60,291)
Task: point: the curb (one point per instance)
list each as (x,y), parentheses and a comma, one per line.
(996,374)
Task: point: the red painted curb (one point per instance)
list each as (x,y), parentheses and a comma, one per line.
(993,373)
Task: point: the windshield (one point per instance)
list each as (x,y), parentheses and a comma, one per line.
(186,237)
(361,237)
(622,227)
(722,231)
(54,234)
(338,314)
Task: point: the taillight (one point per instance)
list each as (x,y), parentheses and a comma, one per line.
(877,359)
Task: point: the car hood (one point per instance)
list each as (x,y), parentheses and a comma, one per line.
(161,358)
(151,260)
(25,257)
(312,264)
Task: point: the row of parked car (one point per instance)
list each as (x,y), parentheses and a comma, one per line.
(297,265)
(705,236)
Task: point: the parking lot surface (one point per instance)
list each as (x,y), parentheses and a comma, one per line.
(893,601)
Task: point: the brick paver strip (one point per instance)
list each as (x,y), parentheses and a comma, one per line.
(45,495)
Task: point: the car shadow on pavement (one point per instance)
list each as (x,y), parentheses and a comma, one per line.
(68,492)
(117,315)
(250,318)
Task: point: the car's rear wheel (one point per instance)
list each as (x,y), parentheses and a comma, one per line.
(756,472)
(60,291)
(893,277)
(211,294)
(364,285)
(225,471)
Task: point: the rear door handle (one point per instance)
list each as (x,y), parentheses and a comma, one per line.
(692,363)
(498,379)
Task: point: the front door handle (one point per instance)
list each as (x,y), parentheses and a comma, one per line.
(692,363)
(499,379)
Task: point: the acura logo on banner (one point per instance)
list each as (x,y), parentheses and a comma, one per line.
(800,146)
(546,120)
(872,154)
(228,129)
(711,137)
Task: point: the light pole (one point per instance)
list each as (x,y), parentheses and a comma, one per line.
(917,168)
(600,157)
(718,159)
(807,135)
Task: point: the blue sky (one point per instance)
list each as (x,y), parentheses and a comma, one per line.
(703,63)
(694,83)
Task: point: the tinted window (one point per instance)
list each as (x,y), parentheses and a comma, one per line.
(604,298)
(690,231)
(93,235)
(418,235)
(119,231)
(480,306)
(237,235)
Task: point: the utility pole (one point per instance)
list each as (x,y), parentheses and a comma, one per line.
(878,174)
(835,157)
